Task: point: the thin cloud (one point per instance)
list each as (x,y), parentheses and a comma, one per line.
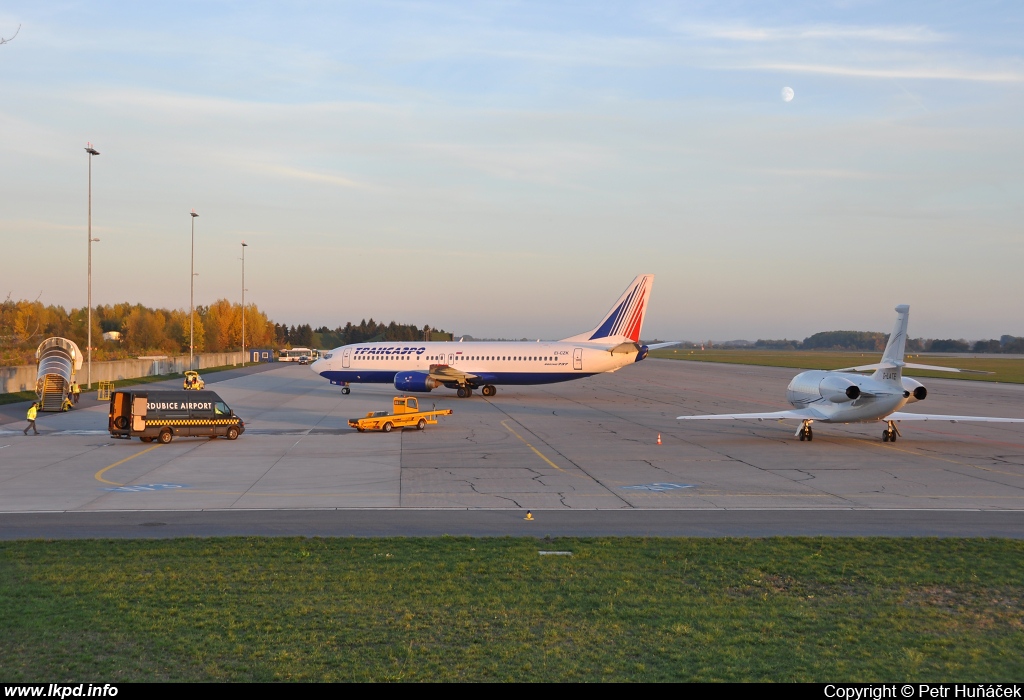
(827,173)
(888,73)
(910,34)
(311,176)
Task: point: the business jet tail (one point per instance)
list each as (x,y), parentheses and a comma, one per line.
(626,318)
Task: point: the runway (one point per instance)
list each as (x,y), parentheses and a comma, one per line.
(583,456)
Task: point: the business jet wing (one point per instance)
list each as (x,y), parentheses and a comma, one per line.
(908,365)
(798,414)
(901,416)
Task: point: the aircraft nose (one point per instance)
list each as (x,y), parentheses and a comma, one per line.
(318,365)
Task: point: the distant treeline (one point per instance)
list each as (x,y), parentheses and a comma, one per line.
(139,330)
(369,331)
(875,342)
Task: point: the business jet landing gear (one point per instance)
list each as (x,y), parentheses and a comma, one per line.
(489,390)
(464,392)
(890,433)
(805,433)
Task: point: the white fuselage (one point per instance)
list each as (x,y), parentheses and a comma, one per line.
(825,393)
(492,363)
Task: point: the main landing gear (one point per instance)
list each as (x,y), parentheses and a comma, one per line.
(805,433)
(464,392)
(890,433)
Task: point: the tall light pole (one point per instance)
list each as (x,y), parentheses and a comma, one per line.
(192,294)
(244,246)
(92,152)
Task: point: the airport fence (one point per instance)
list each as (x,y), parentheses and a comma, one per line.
(23,377)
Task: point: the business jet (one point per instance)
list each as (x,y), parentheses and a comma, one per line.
(842,396)
(466,366)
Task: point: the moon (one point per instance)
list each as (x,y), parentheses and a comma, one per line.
(788,94)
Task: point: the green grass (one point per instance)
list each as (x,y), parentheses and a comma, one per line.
(455,609)
(1003,369)
(17,396)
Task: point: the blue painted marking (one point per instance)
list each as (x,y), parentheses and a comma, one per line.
(659,486)
(143,488)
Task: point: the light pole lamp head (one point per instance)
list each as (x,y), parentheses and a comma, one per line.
(193,213)
(90,150)
(244,244)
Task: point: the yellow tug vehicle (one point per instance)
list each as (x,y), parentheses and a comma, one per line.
(405,414)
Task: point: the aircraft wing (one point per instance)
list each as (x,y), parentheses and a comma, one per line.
(444,373)
(657,346)
(908,365)
(798,414)
(933,368)
(901,416)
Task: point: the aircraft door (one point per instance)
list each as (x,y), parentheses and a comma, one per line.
(346,357)
(577,358)
(139,413)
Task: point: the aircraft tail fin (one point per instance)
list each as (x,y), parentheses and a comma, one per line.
(626,317)
(891,366)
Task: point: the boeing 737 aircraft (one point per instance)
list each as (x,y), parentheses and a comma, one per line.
(840,396)
(614,343)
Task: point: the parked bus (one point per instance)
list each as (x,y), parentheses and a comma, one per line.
(295,354)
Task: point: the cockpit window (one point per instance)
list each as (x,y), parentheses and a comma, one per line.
(328,356)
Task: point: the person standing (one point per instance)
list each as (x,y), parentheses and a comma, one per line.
(31,415)
(76,392)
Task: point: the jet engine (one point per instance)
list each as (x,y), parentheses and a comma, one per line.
(838,389)
(415,381)
(915,389)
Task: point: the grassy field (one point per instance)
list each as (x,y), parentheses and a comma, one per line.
(17,396)
(1003,369)
(451,609)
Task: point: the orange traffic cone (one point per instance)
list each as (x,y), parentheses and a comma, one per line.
(659,438)
(529,515)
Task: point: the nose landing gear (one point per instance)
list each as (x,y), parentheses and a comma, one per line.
(805,433)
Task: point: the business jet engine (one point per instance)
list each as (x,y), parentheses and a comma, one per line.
(415,381)
(838,389)
(914,390)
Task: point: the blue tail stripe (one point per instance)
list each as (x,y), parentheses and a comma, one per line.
(606,328)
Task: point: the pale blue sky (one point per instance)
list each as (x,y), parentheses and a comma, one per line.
(507,168)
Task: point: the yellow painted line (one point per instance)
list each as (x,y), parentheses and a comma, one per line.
(99,475)
(536,451)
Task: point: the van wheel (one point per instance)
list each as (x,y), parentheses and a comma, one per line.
(387,427)
(166,436)
(232,433)
(421,425)
(121,422)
